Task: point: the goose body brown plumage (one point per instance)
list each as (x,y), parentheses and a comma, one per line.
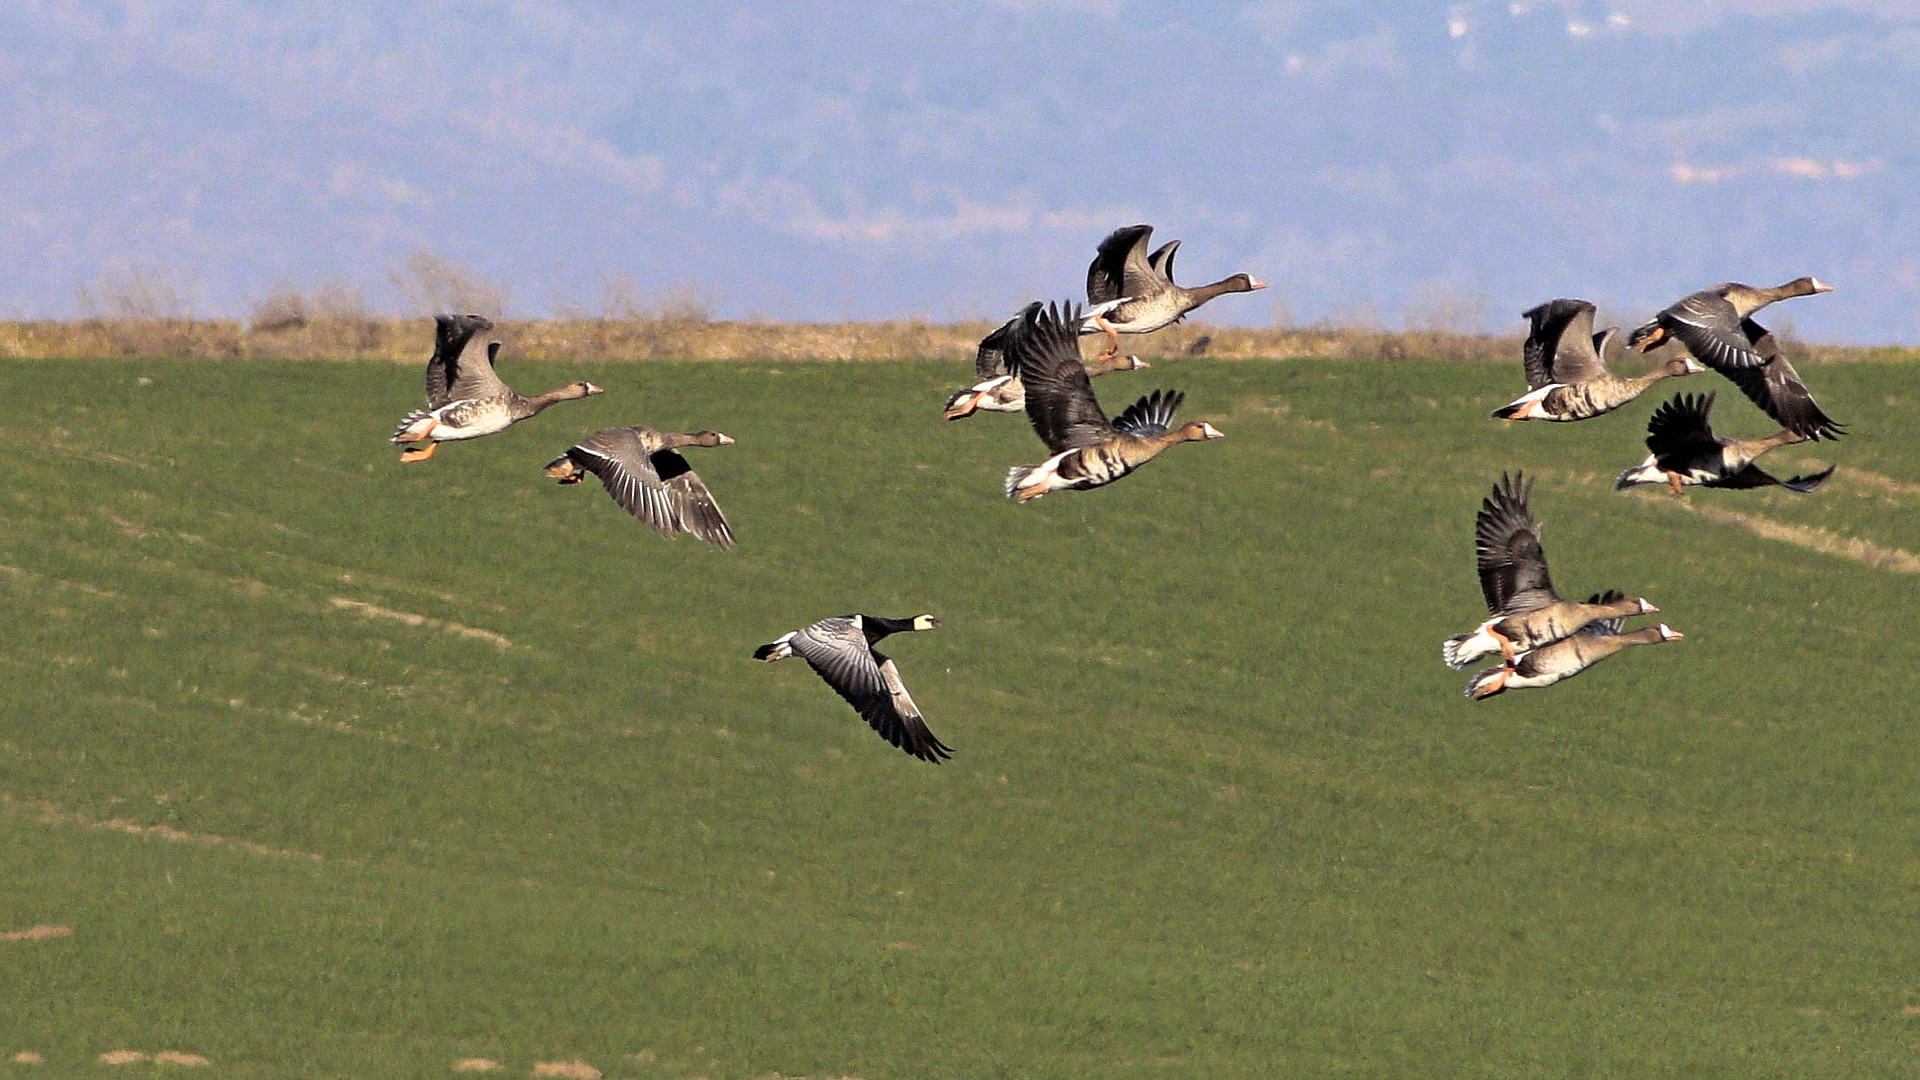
(465,397)
(643,471)
(1566,368)
(1001,391)
(1717,327)
(1567,657)
(1089,450)
(1526,611)
(1123,271)
(1686,452)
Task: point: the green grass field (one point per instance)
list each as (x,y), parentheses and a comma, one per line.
(334,767)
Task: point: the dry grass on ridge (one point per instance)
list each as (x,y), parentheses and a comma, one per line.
(349,337)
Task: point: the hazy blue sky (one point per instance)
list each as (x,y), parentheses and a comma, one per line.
(824,161)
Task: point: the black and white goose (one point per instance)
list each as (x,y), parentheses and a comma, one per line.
(841,651)
(1685,452)
(642,469)
(1566,367)
(1716,326)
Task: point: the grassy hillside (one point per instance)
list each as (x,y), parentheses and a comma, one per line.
(335,767)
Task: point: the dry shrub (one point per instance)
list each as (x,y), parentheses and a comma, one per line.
(430,284)
(146,311)
(329,323)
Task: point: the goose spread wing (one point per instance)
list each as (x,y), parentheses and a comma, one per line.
(870,682)
(476,378)
(909,730)
(451,336)
(1749,476)
(1507,551)
(1151,415)
(990,358)
(1680,425)
(1560,344)
(1777,389)
(1120,267)
(1044,351)
(620,458)
(693,503)
(1605,627)
(1708,324)
(1161,261)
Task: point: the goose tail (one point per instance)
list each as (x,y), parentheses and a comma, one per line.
(413,427)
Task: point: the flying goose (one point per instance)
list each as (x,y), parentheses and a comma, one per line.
(1567,375)
(1526,612)
(465,399)
(1570,655)
(641,468)
(840,650)
(1715,326)
(1143,284)
(1089,450)
(1685,451)
(999,390)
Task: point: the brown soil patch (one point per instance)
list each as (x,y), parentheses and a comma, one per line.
(28,1057)
(476,1065)
(177,1057)
(375,611)
(1811,538)
(573,1070)
(122,1057)
(37,933)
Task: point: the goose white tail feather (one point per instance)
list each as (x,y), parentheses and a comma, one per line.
(1463,649)
(1017,478)
(412,427)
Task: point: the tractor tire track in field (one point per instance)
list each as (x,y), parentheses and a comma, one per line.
(1880,481)
(47,813)
(1812,538)
(375,611)
(1807,537)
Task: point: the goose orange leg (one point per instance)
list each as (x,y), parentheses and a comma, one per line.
(1506,643)
(1496,686)
(1654,340)
(1673,481)
(418,453)
(1113,340)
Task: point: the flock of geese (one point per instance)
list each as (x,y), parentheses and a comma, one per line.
(1542,638)
(1032,364)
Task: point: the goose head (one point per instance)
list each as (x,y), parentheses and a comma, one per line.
(1196,430)
(925,622)
(1668,633)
